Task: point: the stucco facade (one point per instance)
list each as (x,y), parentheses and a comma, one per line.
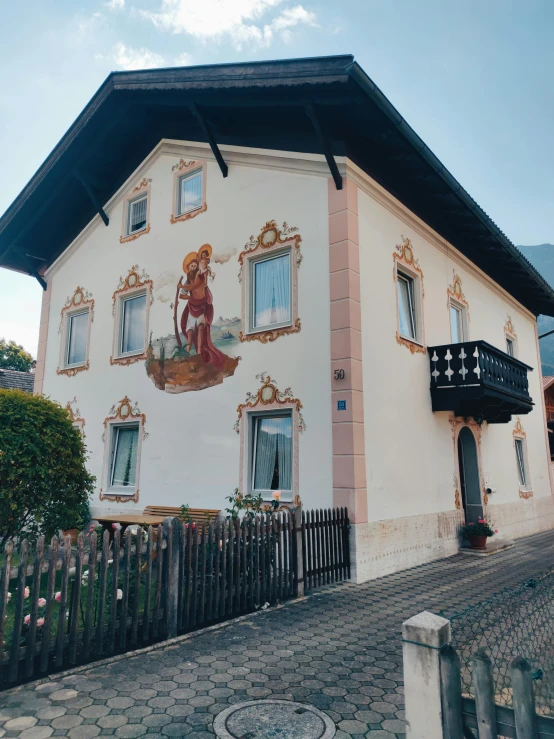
(386,456)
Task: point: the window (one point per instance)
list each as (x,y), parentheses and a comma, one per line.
(510,347)
(124,448)
(133,324)
(271,292)
(406,306)
(272,454)
(190,192)
(521,463)
(136,219)
(458,323)
(77,336)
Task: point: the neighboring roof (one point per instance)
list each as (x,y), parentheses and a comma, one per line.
(261,104)
(547,381)
(13,380)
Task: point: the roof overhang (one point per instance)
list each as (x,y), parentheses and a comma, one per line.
(325,105)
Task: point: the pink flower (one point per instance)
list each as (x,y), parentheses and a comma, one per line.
(58,596)
(91,529)
(40,622)
(276,495)
(27,619)
(26,593)
(496,531)
(41,602)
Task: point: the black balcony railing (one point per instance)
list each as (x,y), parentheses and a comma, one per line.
(476,379)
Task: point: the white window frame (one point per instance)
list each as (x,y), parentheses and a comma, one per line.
(113,438)
(122,299)
(287,496)
(130,203)
(462,310)
(66,334)
(252,329)
(413,279)
(521,442)
(187,176)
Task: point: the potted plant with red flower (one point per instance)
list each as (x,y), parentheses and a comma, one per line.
(478,533)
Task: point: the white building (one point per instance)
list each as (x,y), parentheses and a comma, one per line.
(333,272)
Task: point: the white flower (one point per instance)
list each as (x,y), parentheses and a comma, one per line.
(119,594)
(9,596)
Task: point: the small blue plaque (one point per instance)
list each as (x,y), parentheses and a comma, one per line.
(341,405)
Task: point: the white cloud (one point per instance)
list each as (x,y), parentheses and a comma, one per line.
(240,20)
(183,60)
(128,58)
(115,4)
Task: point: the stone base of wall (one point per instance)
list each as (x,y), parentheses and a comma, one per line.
(379,548)
(522,518)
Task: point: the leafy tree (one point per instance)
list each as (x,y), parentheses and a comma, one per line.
(14,357)
(44,484)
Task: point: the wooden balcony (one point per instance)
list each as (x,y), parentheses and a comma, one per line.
(477,379)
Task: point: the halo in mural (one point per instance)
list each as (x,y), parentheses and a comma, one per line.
(193,356)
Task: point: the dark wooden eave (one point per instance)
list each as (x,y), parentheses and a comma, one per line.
(324,105)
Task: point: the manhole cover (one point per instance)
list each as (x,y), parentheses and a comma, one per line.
(267,718)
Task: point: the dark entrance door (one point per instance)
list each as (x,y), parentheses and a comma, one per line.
(469,475)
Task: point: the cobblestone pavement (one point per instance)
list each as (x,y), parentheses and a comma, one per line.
(339,650)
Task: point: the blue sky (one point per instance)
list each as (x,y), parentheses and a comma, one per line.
(473,78)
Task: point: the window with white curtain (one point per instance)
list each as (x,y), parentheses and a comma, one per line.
(136,219)
(271,298)
(76,337)
(124,455)
(133,324)
(521,463)
(272,454)
(457,323)
(407,318)
(190,192)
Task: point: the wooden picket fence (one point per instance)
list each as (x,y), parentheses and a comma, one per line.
(325,547)
(61,605)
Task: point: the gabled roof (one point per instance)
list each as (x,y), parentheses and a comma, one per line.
(261,104)
(547,381)
(13,380)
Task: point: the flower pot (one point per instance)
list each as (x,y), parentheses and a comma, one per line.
(478,542)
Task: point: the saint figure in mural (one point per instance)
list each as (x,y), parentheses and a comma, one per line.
(198,315)
(194,356)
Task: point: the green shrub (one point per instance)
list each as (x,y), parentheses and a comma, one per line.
(44,483)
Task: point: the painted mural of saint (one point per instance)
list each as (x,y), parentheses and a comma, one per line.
(198,315)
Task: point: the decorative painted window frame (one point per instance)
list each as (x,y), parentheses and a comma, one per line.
(456,425)
(77,303)
(455,296)
(519,433)
(268,398)
(510,333)
(143,188)
(271,240)
(75,416)
(179,170)
(406,262)
(134,283)
(124,412)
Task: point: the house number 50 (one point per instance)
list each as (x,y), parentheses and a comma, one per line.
(339,374)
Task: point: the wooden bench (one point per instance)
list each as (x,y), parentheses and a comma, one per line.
(198,515)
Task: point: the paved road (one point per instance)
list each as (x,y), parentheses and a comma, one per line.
(339,650)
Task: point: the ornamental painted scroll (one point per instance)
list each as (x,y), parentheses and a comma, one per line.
(403,256)
(455,292)
(75,416)
(269,398)
(127,285)
(123,412)
(270,239)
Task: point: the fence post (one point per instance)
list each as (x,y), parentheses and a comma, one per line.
(298,551)
(451,693)
(524,699)
(174,554)
(484,696)
(423,636)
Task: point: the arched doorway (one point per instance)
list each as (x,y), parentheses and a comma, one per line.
(470,479)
